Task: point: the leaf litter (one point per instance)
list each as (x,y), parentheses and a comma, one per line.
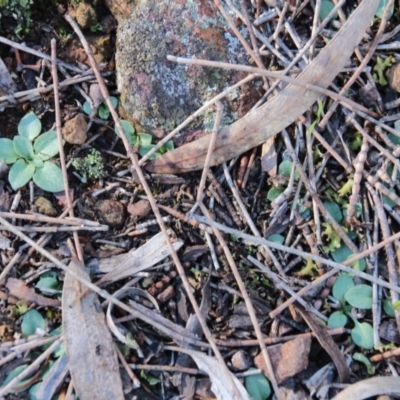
(318,189)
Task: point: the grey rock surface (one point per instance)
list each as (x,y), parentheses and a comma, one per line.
(156,94)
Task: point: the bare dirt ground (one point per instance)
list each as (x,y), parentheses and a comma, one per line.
(267,269)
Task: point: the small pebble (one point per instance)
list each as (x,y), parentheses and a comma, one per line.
(74,130)
(112,212)
(241,360)
(44,206)
(139,209)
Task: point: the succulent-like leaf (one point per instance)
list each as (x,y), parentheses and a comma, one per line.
(7,152)
(23,147)
(46,145)
(20,174)
(30,126)
(49,177)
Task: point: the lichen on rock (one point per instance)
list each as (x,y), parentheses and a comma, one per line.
(156,94)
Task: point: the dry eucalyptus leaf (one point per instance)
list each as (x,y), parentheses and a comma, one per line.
(53,380)
(389,385)
(269,158)
(129,264)
(7,85)
(92,358)
(19,289)
(4,243)
(96,95)
(220,382)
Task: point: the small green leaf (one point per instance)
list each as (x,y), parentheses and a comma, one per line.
(388,307)
(334,209)
(87,109)
(143,150)
(23,147)
(20,174)
(96,28)
(310,269)
(145,139)
(337,320)
(326,8)
(362,334)
(359,265)
(14,373)
(36,161)
(380,68)
(396,305)
(346,188)
(341,286)
(274,192)
(363,359)
(387,200)
(381,8)
(46,145)
(104,111)
(47,280)
(257,386)
(360,296)
(395,139)
(30,126)
(276,238)
(341,254)
(114,101)
(129,131)
(31,321)
(151,380)
(49,178)
(168,146)
(7,152)
(285,168)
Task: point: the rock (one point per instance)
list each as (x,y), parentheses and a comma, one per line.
(167,294)
(139,209)
(287,359)
(85,15)
(157,94)
(112,212)
(241,360)
(74,130)
(393,76)
(44,206)
(101,47)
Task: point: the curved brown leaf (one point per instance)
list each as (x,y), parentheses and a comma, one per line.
(381,385)
(279,112)
(326,342)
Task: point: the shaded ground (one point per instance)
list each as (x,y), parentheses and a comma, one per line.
(360,313)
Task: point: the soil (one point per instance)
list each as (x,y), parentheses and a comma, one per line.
(109,196)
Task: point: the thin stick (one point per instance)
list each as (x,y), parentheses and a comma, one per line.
(151,199)
(52,220)
(39,54)
(248,303)
(213,139)
(60,145)
(248,219)
(355,190)
(362,65)
(189,119)
(26,372)
(342,267)
(335,225)
(280,284)
(270,74)
(390,255)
